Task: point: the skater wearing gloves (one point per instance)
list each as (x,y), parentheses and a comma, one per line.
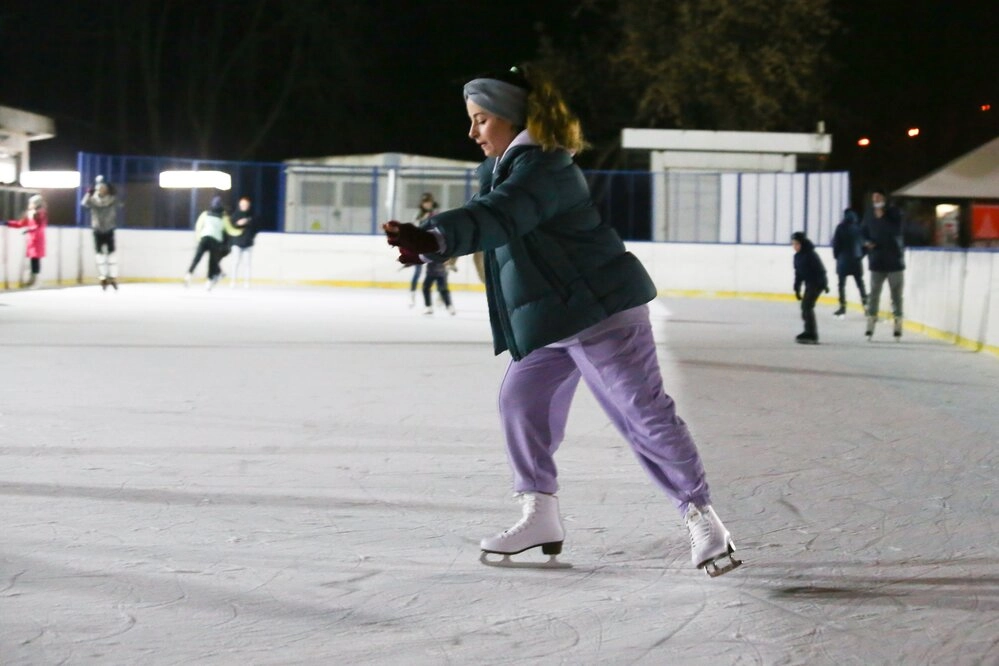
(883,238)
(34,221)
(808,271)
(568,302)
(100,200)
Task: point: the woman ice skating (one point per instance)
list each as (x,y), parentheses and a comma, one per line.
(34,221)
(245,223)
(568,302)
(210,230)
(428,207)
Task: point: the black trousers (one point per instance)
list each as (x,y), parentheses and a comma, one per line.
(441,281)
(104,239)
(214,250)
(858,277)
(808,300)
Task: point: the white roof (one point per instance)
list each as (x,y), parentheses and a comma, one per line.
(33,126)
(974,175)
(384,160)
(730,142)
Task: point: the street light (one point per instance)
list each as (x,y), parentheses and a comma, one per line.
(913,131)
(863,142)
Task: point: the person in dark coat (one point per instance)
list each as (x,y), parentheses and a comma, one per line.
(244,223)
(570,303)
(848,250)
(437,274)
(883,232)
(810,273)
(427,208)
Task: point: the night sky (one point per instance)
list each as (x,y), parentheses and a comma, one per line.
(365,77)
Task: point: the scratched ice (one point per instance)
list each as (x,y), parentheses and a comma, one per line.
(280,476)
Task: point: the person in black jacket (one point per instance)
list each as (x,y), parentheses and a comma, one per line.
(244,221)
(848,250)
(810,272)
(883,237)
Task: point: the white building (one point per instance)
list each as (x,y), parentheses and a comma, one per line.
(351,193)
(739,187)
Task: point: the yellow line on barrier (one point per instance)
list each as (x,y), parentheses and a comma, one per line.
(916,327)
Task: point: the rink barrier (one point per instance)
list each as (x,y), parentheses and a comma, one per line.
(950,294)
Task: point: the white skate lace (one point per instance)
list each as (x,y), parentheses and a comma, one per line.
(529,502)
(699,527)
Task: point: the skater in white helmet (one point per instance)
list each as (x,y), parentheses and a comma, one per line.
(568,302)
(100,200)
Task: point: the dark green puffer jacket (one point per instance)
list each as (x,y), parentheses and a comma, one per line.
(553,268)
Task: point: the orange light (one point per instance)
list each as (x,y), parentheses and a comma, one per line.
(913,131)
(864,141)
(985,107)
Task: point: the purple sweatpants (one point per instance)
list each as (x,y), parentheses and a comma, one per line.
(622,371)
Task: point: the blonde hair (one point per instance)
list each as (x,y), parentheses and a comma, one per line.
(549,120)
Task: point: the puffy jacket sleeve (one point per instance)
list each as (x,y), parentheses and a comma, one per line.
(526,199)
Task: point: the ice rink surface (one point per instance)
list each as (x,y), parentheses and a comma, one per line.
(302,476)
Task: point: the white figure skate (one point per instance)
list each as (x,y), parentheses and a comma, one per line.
(540,526)
(710,543)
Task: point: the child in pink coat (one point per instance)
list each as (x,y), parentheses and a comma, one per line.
(33,222)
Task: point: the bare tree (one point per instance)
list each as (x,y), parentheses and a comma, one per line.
(698,64)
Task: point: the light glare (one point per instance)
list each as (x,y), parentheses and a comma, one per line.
(864,141)
(218,180)
(913,131)
(50,180)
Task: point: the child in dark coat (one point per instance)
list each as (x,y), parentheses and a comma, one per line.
(810,272)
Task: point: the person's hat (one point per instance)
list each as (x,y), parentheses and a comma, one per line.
(36,201)
(216,203)
(798,236)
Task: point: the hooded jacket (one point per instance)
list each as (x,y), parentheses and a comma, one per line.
(808,268)
(848,245)
(211,223)
(553,268)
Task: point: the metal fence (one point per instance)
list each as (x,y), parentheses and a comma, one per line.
(143,204)
(344,199)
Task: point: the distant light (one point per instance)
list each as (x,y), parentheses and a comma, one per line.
(985,107)
(913,131)
(864,141)
(187,180)
(8,170)
(50,180)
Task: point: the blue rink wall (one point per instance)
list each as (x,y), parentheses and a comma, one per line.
(949,294)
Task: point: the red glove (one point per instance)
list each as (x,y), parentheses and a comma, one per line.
(410,237)
(409,258)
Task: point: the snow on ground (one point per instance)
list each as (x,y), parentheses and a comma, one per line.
(301,476)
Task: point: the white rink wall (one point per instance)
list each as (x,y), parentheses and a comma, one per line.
(951,294)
